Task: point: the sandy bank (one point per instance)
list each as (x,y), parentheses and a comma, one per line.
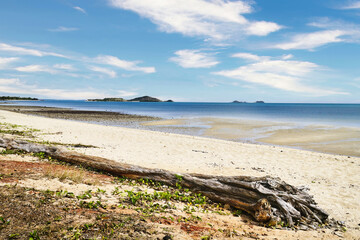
(27,181)
(334,180)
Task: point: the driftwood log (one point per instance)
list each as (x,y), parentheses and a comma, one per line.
(264,198)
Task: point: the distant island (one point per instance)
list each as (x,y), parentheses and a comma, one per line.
(247,102)
(145,99)
(107,100)
(138,99)
(9,98)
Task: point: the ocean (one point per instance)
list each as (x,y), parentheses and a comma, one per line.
(302,113)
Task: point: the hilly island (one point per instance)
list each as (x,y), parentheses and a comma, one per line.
(138,99)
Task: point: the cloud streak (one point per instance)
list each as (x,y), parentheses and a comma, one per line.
(63,29)
(331,32)
(123,64)
(27,51)
(193,59)
(4,62)
(36,68)
(313,40)
(67,67)
(282,74)
(16,86)
(77,8)
(102,70)
(351,5)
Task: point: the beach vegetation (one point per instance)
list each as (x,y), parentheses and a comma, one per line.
(64,193)
(17,130)
(86,195)
(100,191)
(13,235)
(3,222)
(207,237)
(69,145)
(12,151)
(40,155)
(34,235)
(91,204)
(237,212)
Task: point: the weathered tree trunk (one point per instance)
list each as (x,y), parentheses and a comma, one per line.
(265,198)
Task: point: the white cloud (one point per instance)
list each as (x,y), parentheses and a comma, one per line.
(106,71)
(256,58)
(4,62)
(248,56)
(214,19)
(123,64)
(262,28)
(15,86)
(36,68)
(27,51)
(9,81)
(79,9)
(194,59)
(63,29)
(313,40)
(283,74)
(123,93)
(67,67)
(352,5)
(287,56)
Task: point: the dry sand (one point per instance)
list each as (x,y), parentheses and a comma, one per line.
(334,180)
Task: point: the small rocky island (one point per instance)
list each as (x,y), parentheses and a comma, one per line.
(10,98)
(236,101)
(138,99)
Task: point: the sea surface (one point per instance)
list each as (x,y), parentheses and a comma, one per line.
(302,113)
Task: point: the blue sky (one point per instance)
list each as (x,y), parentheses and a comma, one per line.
(185,50)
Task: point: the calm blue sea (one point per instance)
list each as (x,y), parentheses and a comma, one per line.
(331,114)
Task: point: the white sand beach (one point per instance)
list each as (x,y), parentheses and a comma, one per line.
(334,180)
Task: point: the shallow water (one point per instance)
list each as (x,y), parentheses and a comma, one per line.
(301,113)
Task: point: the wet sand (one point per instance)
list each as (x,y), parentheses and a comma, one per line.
(100,117)
(325,139)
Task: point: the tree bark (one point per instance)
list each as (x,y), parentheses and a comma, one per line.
(265,198)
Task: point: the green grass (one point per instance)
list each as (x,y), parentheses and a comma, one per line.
(18,130)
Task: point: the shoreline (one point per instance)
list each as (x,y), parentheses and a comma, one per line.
(98,117)
(336,140)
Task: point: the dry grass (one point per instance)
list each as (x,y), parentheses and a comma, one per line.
(74,175)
